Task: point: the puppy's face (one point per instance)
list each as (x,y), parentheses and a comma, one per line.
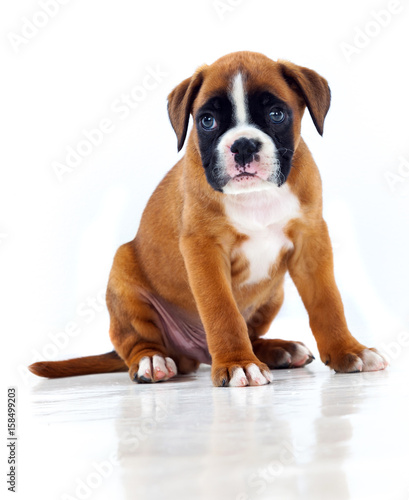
(246,139)
(247,111)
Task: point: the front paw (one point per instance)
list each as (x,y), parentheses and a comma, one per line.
(240,374)
(356,360)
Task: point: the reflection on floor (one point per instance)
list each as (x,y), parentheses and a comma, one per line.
(312,434)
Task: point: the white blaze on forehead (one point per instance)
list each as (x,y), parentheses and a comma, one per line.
(239,99)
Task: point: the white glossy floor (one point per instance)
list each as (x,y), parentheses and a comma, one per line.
(312,434)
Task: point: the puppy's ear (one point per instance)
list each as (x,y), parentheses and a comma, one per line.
(180,103)
(313,89)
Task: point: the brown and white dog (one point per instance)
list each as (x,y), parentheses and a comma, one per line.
(203,279)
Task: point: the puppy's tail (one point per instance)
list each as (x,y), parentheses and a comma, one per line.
(103,363)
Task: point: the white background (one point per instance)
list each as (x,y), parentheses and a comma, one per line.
(58,238)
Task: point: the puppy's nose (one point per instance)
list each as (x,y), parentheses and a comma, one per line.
(244,149)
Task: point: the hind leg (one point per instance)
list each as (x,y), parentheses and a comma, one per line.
(275,353)
(138,341)
(135,327)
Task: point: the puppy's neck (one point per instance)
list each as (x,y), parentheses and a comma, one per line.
(260,209)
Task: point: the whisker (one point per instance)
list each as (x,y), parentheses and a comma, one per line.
(286,149)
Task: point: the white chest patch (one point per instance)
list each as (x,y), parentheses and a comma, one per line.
(262,216)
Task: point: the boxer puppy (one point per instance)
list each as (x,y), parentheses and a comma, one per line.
(203,279)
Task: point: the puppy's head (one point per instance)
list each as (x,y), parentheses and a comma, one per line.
(247,112)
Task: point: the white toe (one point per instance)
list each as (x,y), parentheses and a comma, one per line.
(268,375)
(254,375)
(372,361)
(301,355)
(286,360)
(171,367)
(145,368)
(159,366)
(357,366)
(239,378)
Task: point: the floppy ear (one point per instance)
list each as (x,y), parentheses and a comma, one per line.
(180,103)
(312,87)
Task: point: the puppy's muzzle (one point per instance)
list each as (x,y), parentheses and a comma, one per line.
(244,150)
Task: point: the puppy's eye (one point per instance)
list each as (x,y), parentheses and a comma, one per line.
(208,122)
(277,115)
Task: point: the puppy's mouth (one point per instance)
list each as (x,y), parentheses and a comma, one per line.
(245,174)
